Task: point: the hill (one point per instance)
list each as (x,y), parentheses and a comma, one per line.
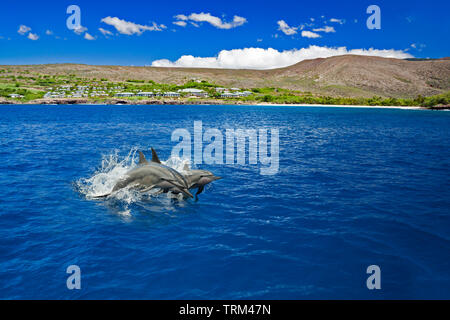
(347,76)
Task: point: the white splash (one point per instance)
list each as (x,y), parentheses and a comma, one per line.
(112,169)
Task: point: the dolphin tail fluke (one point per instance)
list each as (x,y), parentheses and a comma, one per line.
(155,156)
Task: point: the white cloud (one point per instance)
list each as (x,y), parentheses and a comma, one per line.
(180,23)
(214,21)
(130,28)
(286,29)
(105,32)
(23,29)
(181,17)
(340,21)
(309,34)
(80,30)
(49,32)
(259,58)
(418,46)
(87,36)
(33,36)
(325,29)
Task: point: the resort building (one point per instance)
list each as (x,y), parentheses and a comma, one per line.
(229,95)
(236,94)
(124,94)
(145,94)
(171,94)
(15,96)
(194,92)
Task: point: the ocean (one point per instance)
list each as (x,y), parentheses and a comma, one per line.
(355,187)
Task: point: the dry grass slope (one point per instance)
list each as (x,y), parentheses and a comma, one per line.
(349,76)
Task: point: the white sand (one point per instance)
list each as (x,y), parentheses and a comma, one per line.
(340,106)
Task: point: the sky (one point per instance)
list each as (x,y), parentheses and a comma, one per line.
(224,34)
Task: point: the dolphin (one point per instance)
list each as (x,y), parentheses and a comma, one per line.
(192,178)
(199,179)
(181,180)
(150,175)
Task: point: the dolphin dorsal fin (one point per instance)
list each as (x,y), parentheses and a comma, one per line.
(186,167)
(155,156)
(142,159)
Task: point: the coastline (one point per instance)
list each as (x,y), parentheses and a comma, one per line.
(113,101)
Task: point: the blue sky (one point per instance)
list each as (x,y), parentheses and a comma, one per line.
(420,29)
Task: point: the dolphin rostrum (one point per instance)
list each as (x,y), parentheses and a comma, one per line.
(150,175)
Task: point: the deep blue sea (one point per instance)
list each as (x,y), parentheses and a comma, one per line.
(356,187)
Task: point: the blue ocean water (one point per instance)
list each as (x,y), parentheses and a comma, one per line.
(356,187)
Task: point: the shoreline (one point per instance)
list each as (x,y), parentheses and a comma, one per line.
(344,106)
(70,101)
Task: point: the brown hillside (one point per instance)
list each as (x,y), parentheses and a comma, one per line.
(348,75)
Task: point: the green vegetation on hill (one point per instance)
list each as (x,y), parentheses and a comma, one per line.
(443,99)
(30,86)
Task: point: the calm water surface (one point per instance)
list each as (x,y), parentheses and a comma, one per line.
(356,187)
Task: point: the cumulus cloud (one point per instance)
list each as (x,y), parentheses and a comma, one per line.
(214,21)
(49,32)
(340,21)
(325,29)
(259,58)
(87,36)
(180,23)
(418,46)
(130,28)
(33,36)
(105,32)
(309,34)
(80,30)
(23,29)
(286,29)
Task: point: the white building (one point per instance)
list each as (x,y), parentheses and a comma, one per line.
(15,96)
(145,94)
(194,92)
(124,94)
(229,95)
(171,94)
